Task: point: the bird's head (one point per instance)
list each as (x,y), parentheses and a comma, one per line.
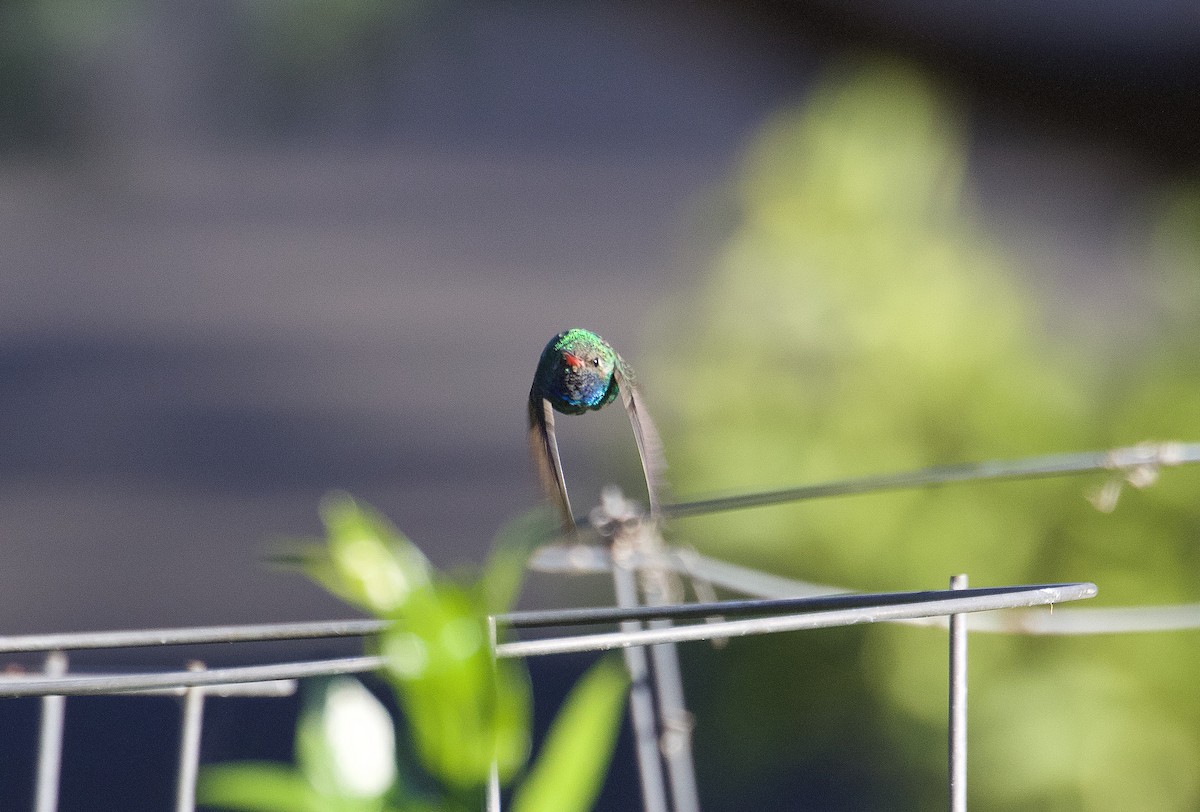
(577,372)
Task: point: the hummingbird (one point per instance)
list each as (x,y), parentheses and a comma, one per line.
(579,372)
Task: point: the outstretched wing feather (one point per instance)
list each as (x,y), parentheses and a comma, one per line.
(650,449)
(543,447)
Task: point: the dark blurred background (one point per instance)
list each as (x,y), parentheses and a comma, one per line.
(253,251)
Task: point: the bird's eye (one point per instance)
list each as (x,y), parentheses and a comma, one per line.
(596,362)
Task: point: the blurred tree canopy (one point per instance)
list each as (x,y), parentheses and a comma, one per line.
(859,318)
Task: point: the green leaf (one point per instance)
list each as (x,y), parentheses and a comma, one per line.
(570,769)
(463,708)
(373,565)
(256,787)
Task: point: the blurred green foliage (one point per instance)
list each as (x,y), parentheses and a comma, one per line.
(568,775)
(462,708)
(463,711)
(859,318)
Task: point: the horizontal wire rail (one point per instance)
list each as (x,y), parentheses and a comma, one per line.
(734,608)
(194,635)
(1138,463)
(1147,457)
(947,603)
(821,614)
(224,690)
(92,684)
(580,559)
(781,605)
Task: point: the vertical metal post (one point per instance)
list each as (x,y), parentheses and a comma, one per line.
(493,788)
(492,801)
(632,534)
(50,739)
(189,745)
(958,705)
(676,721)
(641,699)
(676,724)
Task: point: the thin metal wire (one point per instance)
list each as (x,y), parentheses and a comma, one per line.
(1147,456)
(822,606)
(1032,596)
(273,688)
(92,684)
(734,608)
(1120,620)
(583,560)
(136,638)
(189,745)
(958,704)
(852,609)
(1060,622)
(589,559)
(50,739)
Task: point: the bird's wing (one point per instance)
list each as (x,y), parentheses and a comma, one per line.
(650,448)
(544,448)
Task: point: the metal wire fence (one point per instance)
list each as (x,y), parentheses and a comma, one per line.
(649,626)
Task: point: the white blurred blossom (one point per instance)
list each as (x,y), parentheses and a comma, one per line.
(361,740)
